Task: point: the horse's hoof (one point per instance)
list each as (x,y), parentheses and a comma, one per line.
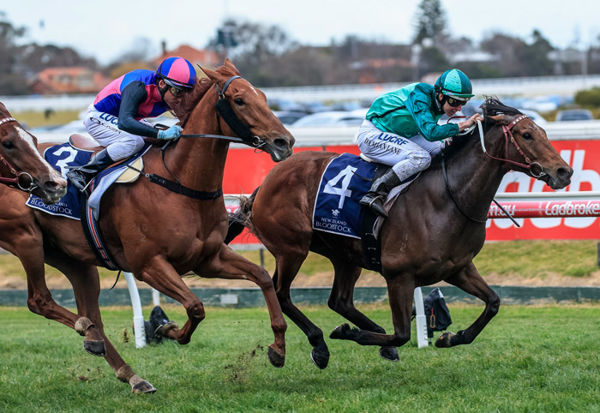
(95,347)
(444,340)
(275,358)
(143,387)
(340,332)
(320,358)
(165,330)
(389,353)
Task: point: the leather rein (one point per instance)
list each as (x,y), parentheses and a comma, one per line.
(508,137)
(245,136)
(16,181)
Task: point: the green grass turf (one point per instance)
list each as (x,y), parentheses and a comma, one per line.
(528,359)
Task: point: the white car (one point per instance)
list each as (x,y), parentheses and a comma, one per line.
(331,118)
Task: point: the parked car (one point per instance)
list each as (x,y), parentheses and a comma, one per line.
(573,114)
(331,118)
(289,117)
(536,117)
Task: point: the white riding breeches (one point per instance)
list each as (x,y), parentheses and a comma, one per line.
(104,128)
(406,156)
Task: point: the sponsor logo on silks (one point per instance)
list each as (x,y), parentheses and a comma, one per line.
(391,139)
(109,118)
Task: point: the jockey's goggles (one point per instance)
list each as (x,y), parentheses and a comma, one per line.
(175,89)
(454,102)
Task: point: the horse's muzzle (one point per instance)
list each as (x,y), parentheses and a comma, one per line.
(280,149)
(560,178)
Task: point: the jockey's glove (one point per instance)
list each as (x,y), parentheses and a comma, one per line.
(173,132)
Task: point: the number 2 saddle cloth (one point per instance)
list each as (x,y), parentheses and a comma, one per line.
(74,204)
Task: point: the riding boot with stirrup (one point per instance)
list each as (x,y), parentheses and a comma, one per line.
(81,175)
(380,188)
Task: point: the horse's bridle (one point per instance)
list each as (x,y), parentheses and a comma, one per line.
(535,168)
(17,179)
(224,110)
(245,136)
(240,128)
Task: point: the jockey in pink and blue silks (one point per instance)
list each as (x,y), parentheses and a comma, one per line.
(116,119)
(401,130)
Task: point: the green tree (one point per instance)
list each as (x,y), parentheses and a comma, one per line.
(431,22)
(11,81)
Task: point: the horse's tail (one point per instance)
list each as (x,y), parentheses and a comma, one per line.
(242,218)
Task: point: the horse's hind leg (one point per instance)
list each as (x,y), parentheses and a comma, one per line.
(161,275)
(470,281)
(285,272)
(341,301)
(400,293)
(86,287)
(229,265)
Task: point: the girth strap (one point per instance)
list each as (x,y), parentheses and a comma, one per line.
(183,190)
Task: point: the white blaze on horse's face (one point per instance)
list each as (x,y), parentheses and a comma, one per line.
(28,139)
(254,90)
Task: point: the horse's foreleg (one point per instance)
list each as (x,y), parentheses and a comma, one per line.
(161,275)
(287,267)
(86,287)
(227,264)
(400,293)
(341,301)
(470,281)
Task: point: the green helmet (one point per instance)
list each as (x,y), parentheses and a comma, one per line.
(454,83)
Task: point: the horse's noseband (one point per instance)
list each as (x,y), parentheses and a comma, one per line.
(240,128)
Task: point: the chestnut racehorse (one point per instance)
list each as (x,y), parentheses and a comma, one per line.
(158,234)
(19,156)
(433,232)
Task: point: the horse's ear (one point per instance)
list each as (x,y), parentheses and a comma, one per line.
(212,74)
(500,119)
(228,63)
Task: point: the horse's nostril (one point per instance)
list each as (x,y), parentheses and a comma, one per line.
(564,173)
(54,185)
(280,143)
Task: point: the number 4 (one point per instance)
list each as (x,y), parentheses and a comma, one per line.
(345,176)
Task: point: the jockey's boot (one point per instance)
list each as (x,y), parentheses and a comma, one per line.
(380,188)
(81,175)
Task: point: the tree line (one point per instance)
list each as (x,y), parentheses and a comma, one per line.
(268,56)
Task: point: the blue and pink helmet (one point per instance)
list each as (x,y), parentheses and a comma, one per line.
(177,72)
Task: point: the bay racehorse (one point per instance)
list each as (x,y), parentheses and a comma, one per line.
(156,233)
(433,232)
(19,156)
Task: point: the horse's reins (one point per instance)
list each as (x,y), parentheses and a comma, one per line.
(17,179)
(245,136)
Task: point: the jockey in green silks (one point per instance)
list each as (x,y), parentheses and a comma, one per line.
(401,130)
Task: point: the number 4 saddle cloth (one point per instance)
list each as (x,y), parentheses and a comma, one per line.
(344,182)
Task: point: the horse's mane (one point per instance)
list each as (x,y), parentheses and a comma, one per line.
(492,106)
(183,108)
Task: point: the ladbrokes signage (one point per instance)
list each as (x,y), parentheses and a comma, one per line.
(584,158)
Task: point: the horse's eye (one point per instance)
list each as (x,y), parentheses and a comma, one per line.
(8,144)
(527,136)
(238,101)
